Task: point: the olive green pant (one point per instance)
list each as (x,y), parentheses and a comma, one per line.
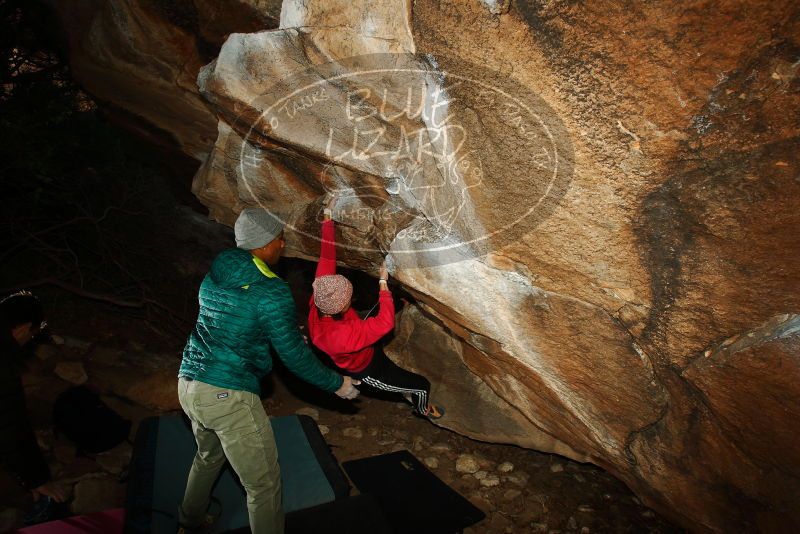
(231,424)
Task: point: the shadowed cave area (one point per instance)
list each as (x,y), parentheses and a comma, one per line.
(588,213)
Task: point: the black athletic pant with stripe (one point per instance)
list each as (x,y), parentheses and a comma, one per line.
(383,373)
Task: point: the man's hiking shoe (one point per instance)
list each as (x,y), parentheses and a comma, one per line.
(205,527)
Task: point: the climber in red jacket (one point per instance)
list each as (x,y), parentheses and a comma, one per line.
(338,331)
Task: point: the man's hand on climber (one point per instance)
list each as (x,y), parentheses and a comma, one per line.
(347,390)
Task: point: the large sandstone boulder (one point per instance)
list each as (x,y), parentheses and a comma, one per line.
(620,183)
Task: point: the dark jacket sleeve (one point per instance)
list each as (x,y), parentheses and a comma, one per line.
(19,451)
(280,321)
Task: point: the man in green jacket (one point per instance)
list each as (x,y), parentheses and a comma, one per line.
(244,309)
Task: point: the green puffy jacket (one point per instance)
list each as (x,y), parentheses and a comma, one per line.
(245,308)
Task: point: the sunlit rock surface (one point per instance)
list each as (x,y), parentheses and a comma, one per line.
(629,296)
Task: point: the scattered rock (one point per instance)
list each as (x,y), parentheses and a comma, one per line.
(353,432)
(571,523)
(399,446)
(484,463)
(97,494)
(157,390)
(418,443)
(585,508)
(505,467)
(324,429)
(373,431)
(490,480)
(440,448)
(313,413)
(72,372)
(499,522)
(432,462)
(556,468)
(579,477)
(481,502)
(45,351)
(585,530)
(648,514)
(117,459)
(518,478)
(467,463)
(386,441)
(511,494)
(480,475)
(539,527)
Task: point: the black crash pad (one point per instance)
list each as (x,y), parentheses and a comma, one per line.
(412,498)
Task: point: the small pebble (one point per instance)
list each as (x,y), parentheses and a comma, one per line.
(432,462)
(585,530)
(578,477)
(518,478)
(324,430)
(481,502)
(556,468)
(585,508)
(353,432)
(648,514)
(440,447)
(480,475)
(505,467)
(490,480)
(571,523)
(511,494)
(539,527)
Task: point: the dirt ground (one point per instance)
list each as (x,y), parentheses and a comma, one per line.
(519,490)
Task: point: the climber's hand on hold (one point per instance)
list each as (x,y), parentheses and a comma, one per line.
(384,272)
(327,212)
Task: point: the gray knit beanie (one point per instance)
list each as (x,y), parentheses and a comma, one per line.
(256,227)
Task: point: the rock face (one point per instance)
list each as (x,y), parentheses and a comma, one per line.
(619,180)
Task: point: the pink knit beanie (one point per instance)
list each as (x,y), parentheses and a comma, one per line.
(332,293)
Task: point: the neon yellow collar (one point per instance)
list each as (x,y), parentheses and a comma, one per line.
(264,268)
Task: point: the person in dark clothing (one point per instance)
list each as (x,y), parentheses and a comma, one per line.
(21,319)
